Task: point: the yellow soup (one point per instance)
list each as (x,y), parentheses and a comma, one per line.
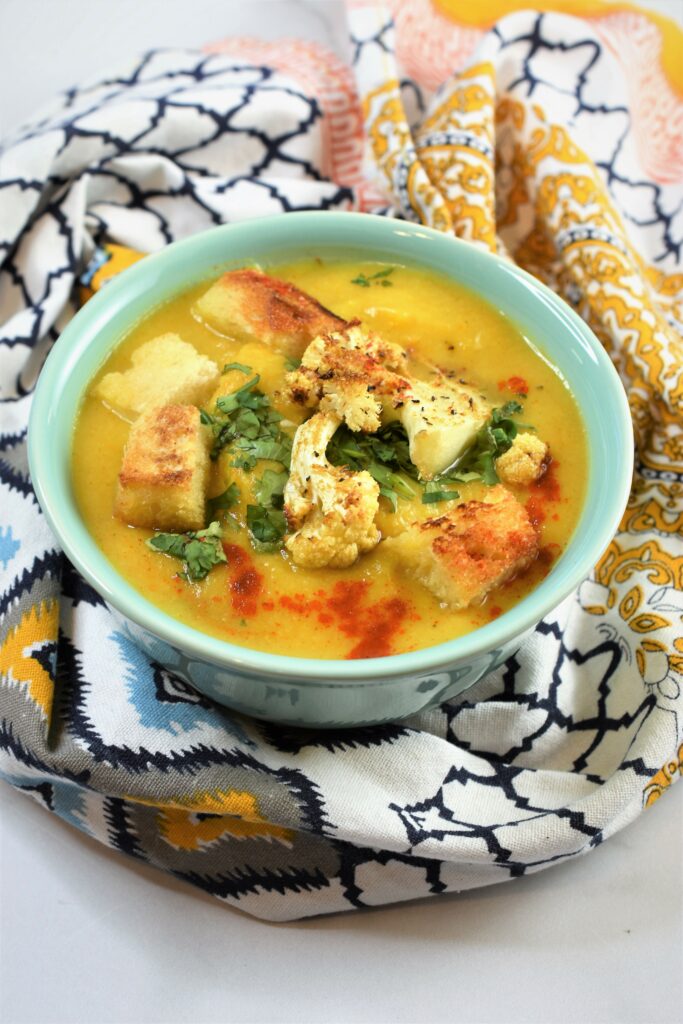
(264,601)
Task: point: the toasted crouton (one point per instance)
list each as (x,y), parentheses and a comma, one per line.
(524,462)
(164,371)
(248,305)
(472,549)
(165,470)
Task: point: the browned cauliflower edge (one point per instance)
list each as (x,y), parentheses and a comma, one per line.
(330,510)
(364,381)
(524,462)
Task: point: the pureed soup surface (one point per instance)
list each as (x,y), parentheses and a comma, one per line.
(262,600)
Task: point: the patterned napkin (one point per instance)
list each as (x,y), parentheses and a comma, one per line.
(559,141)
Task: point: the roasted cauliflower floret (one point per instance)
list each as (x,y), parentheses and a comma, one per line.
(249,305)
(163,371)
(364,380)
(524,462)
(330,510)
(472,549)
(352,373)
(441,420)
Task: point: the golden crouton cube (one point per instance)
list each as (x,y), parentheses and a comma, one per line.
(462,555)
(164,371)
(525,461)
(165,470)
(248,305)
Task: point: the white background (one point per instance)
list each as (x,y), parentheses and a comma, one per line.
(87,937)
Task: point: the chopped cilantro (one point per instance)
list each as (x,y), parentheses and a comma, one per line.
(390,481)
(267,527)
(248,451)
(385,455)
(200,550)
(433,493)
(243,398)
(236,366)
(292,363)
(266,521)
(380,278)
(269,490)
(245,422)
(492,441)
(229,497)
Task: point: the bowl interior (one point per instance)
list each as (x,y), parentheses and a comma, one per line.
(549,324)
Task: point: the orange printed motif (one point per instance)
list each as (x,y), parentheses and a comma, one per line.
(664,778)
(548,209)
(204,818)
(19,663)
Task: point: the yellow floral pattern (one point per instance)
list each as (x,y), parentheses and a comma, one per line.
(549,209)
(664,777)
(397,158)
(280,821)
(455,145)
(195,821)
(19,665)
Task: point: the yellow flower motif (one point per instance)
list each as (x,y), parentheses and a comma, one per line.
(673,447)
(18,664)
(204,817)
(663,779)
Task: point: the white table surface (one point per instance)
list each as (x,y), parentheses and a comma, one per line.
(87,937)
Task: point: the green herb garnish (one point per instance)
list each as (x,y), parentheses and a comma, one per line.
(292,363)
(245,424)
(492,441)
(248,451)
(200,550)
(269,490)
(245,421)
(385,455)
(267,527)
(244,397)
(379,278)
(266,521)
(433,492)
(226,500)
(236,366)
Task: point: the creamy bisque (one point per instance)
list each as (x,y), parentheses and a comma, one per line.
(264,601)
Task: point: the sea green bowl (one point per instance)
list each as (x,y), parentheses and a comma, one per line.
(310,692)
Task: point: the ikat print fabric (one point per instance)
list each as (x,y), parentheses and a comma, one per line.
(557,141)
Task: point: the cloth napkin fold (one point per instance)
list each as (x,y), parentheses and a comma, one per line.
(538,146)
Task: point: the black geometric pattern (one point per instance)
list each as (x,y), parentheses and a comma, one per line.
(575,77)
(538,762)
